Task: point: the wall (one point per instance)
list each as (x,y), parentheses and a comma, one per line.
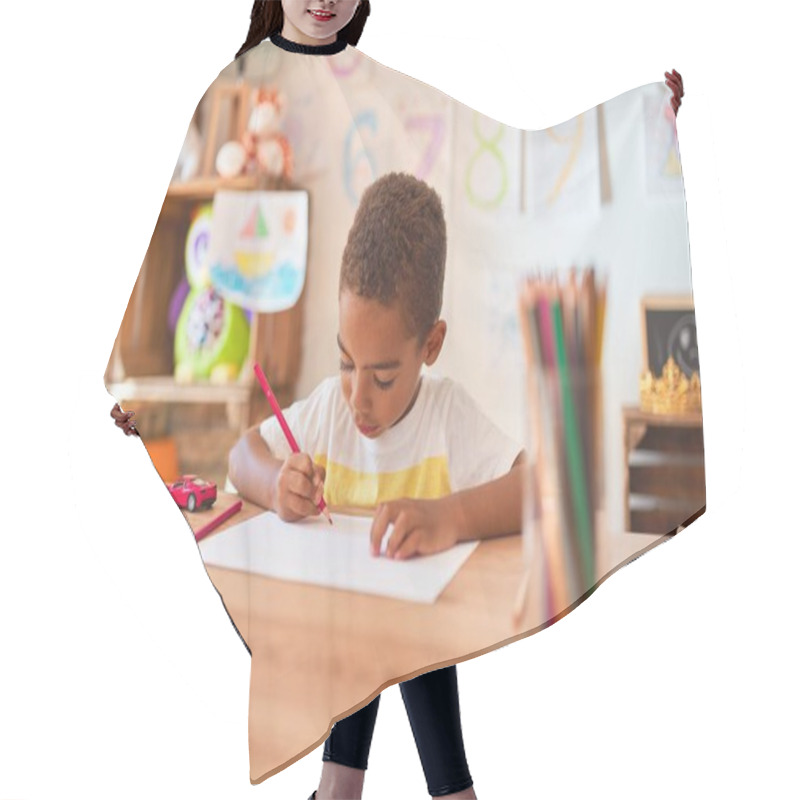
(515,201)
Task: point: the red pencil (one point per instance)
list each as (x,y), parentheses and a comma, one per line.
(209,526)
(262,379)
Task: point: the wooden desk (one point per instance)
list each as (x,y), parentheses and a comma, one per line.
(320,654)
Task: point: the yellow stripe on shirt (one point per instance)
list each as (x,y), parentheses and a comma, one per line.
(348,487)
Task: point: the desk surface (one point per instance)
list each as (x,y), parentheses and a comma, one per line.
(319,654)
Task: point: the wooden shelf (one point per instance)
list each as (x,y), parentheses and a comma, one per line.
(142,361)
(692,419)
(664,469)
(164,389)
(204,188)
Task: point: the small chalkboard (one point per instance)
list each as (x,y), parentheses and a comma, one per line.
(668,329)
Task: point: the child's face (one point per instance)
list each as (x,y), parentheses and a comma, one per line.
(380,361)
(317,20)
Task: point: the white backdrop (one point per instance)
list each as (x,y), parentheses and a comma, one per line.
(120,675)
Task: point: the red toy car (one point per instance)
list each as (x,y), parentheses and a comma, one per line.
(191,492)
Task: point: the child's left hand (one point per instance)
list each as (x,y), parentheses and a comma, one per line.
(419,527)
(122,419)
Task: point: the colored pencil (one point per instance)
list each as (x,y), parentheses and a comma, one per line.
(601,318)
(558,546)
(564,542)
(273,401)
(217,521)
(555,590)
(562,325)
(522,598)
(575,458)
(590,373)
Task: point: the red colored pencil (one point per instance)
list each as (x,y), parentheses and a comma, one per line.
(262,379)
(210,526)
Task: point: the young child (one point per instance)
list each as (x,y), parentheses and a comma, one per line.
(674,80)
(381,435)
(417,514)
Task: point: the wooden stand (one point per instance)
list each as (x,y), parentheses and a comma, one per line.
(664,463)
(141,365)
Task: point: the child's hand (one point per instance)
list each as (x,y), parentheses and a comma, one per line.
(418,527)
(122,419)
(298,488)
(675,82)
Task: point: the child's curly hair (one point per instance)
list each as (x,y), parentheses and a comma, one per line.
(396,249)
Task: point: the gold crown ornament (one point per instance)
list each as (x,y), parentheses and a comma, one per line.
(672,393)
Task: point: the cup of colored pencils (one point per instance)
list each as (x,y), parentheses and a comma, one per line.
(562,320)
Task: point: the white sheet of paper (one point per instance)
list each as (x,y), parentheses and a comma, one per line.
(312,551)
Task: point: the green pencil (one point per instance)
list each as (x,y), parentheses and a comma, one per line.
(577,472)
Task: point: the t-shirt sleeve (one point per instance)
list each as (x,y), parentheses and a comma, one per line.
(306,420)
(478,451)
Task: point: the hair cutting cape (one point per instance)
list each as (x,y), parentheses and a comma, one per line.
(568,301)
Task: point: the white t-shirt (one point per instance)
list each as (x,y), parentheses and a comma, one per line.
(443,445)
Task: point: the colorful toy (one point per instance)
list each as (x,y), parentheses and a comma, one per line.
(176,304)
(262,148)
(196,250)
(211,339)
(212,336)
(191,492)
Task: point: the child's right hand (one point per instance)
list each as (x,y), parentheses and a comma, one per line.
(298,488)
